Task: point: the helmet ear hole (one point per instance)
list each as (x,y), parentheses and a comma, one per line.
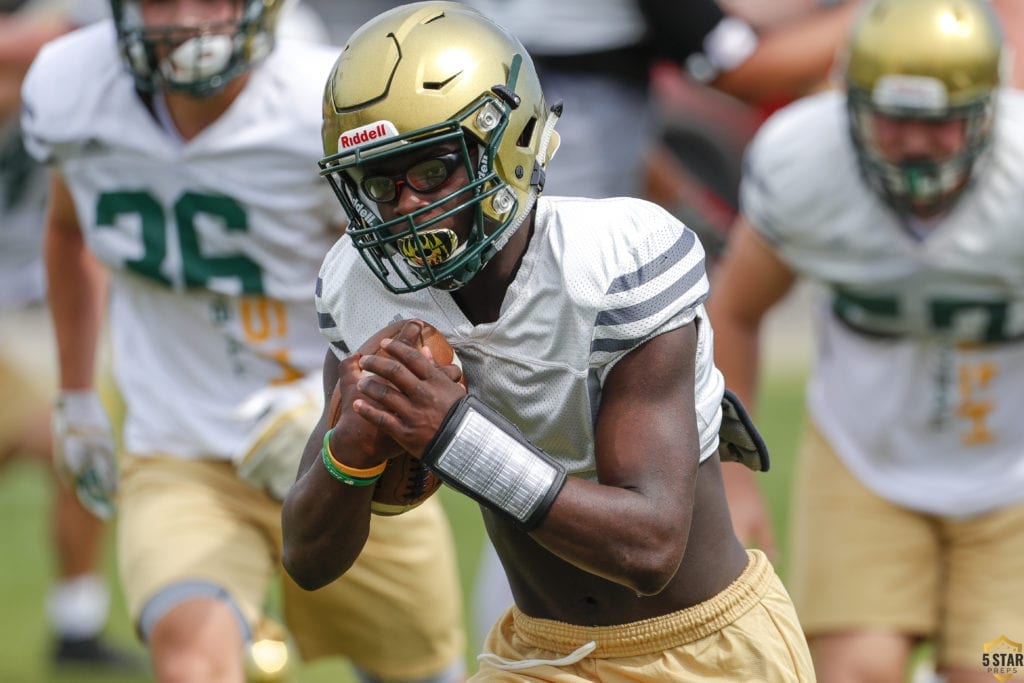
(525,138)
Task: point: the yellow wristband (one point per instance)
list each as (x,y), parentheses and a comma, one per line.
(353,476)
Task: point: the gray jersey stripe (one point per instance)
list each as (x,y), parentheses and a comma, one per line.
(677,290)
(613,345)
(319,287)
(326,321)
(341,346)
(647,272)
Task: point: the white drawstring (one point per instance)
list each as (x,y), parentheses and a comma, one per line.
(515,665)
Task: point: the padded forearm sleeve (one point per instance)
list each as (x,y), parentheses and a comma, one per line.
(485,456)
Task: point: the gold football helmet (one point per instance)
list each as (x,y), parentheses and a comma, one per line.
(923,59)
(196,59)
(416,76)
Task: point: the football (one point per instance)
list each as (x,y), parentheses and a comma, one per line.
(406,483)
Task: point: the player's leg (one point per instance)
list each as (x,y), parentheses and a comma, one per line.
(984,582)
(864,573)
(861,656)
(397,613)
(78,601)
(195,564)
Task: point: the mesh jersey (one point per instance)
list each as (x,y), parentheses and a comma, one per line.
(919,373)
(584,297)
(213,242)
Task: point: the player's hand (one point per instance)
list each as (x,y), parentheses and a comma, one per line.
(84,451)
(411,394)
(279,419)
(356,441)
(750,519)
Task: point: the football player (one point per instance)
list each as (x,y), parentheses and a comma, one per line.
(184,144)
(590,434)
(901,195)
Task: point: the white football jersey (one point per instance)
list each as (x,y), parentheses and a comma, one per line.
(920,371)
(599,278)
(214,243)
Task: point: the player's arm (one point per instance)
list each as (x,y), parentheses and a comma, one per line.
(84,447)
(324,521)
(783,61)
(631,527)
(792,57)
(21,36)
(749,280)
(77,286)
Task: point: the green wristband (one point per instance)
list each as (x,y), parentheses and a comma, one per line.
(344,473)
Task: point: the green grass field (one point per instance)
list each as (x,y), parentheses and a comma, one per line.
(27,566)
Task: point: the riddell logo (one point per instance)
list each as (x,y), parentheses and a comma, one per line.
(378,130)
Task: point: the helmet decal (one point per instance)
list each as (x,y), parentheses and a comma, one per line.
(378,130)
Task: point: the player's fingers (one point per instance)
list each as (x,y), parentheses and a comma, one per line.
(453,372)
(409,358)
(381,391)
(382,419)
(410,333)
(386,396)
(391,369)
(349,371)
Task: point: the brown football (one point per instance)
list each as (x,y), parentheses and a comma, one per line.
(406,483)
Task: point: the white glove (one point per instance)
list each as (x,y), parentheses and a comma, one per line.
(281,416)
(84,451)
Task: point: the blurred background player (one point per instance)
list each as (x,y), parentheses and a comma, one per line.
(183,146)
(78,602)
(901,196)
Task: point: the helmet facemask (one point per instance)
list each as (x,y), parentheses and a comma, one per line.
(407,247)
(200,59)
(921,186)
(438,76)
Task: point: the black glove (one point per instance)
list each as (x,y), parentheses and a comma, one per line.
(738,438)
